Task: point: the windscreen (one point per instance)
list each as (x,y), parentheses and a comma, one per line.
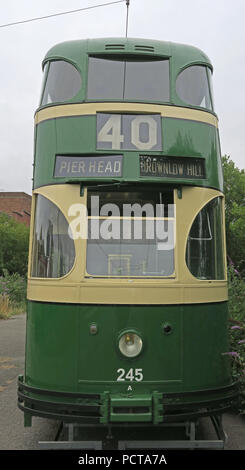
(130,234)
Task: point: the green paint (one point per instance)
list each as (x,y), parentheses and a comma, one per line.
(62,355)
(77,53)
(77,135)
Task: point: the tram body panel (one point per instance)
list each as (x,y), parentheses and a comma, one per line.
(91,361)
(189,136)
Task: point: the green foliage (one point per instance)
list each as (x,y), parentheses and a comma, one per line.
(12,294)
(234,189)
(13,285)
(236,306)
(236,292)
(14,240)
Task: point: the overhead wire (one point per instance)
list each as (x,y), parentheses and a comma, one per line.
(60,14)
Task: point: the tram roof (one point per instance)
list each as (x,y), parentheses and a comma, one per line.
(182,54)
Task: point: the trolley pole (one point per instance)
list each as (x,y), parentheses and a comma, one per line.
(127,4)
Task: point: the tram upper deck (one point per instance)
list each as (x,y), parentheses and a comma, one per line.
(131,110)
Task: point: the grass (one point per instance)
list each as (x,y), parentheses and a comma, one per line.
(4,306)
(8,308)
(12,294)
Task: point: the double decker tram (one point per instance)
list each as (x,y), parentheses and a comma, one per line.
(127,288)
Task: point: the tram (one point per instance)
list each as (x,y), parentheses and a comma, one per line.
(127,287)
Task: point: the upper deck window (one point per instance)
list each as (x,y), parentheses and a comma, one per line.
(192,86)
(63,82)
(145,80)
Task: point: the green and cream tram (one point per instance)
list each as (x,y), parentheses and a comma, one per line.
(127,288)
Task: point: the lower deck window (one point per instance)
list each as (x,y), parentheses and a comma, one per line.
(132,234)
(134,259)
(53,251)
(205,246)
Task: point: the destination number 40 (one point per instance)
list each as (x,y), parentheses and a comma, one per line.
(111,133)
(132,374)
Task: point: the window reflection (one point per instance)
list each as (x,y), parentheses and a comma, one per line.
(63,82)
(135,234)
(140,258)
(205,249)
(53,252)
(193,88)
(125,79)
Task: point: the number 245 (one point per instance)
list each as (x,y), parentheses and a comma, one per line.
(132,374)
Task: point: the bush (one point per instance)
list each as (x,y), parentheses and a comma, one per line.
(12,294)
(236,293)
(14,241)
(234,190)
(4,306)
(236,307)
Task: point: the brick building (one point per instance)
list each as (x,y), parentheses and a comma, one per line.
(17,205)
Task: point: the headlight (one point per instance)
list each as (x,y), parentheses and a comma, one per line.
(130,344)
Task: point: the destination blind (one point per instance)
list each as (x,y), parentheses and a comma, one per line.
(172,167)
(88,166)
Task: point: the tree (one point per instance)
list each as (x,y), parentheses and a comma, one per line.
(14,240)
(234,189)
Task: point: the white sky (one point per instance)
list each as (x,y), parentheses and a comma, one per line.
(215,26)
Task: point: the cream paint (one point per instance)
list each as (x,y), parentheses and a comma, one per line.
(75,287)
(84,109)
